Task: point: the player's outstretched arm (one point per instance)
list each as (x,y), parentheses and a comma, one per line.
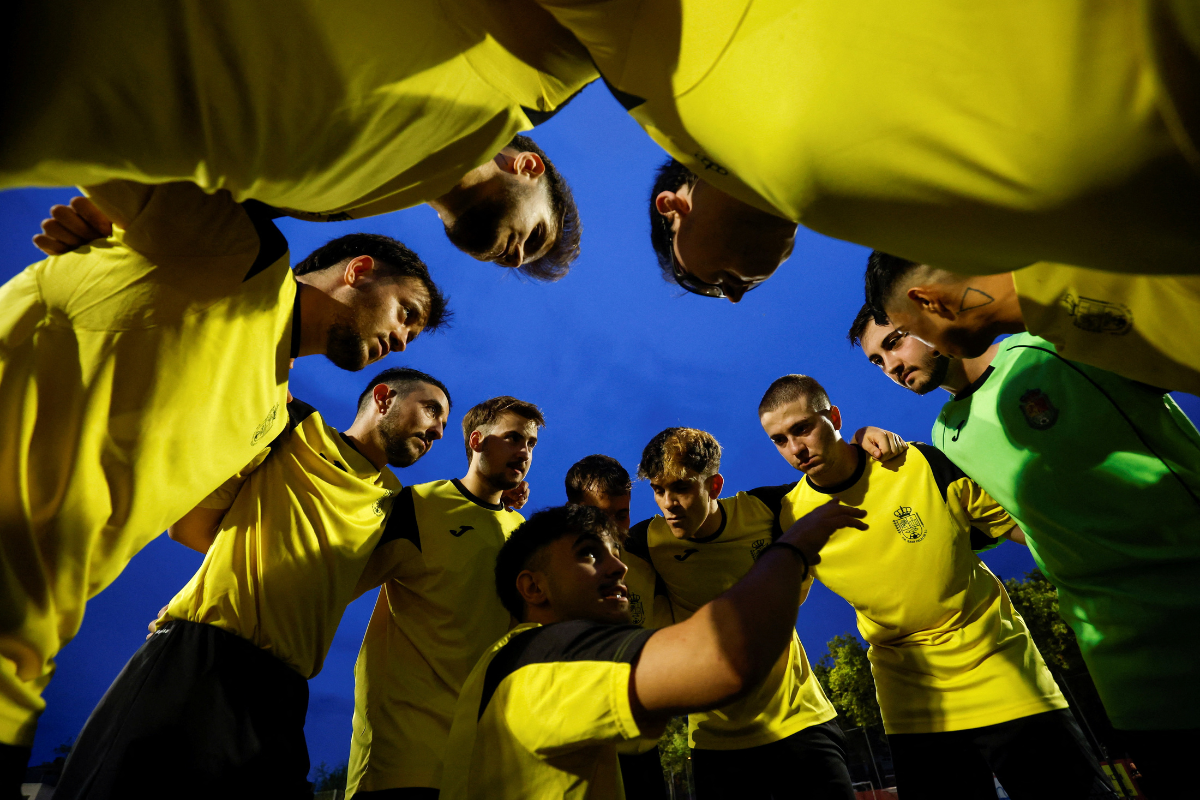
(730,645)
(198,528)
(880,445)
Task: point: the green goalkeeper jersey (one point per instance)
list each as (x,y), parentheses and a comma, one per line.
(1103,474)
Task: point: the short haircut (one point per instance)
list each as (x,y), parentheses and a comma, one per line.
(596,473)
(791,388)
(884,275)
(402,380)
(487,412)
(671,177)
(565,250)
(543,528)
(866,315)
(394,260)
(674,451)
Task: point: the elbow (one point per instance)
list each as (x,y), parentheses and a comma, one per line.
(738,675)
(174,534)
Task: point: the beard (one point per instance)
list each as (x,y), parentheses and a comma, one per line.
(936,366)
(496,478)
(476,230)
(345,347)
(398,444)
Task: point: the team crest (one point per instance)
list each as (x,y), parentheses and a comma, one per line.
(908,524)
(637,614)
(1098,316)
(757,548)
(1039,412)
(378,506)
(265,425)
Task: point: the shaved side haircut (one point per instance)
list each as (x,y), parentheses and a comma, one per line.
(790,389)
(401,380)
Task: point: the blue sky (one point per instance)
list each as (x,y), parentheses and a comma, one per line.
(611,353)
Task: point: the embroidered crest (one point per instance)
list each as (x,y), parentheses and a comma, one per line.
(757,548)
(1039,412)
(908,524)
(265,425)
(1098,316)
(377,508)
(637,613)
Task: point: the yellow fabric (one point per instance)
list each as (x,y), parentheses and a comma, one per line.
(979,137)
(550,730)
(131,386)
(437,613)
(1147,329)
(293,547)
(790,699)
(337,108)
(948,650)
(649,605)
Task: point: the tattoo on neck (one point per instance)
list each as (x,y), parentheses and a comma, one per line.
(974,298)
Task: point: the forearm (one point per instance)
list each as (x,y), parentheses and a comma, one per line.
(198,528)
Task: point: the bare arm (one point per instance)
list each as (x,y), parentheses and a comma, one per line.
(730,645)
(198,528)
(1017,535)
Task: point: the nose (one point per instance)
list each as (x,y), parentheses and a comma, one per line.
(892,365)
(435,432)
(734,294)
(398,340)
(795,447)
(617,569)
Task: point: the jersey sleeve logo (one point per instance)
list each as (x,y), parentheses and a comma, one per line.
(757,548)
(265,425)
(908,524)
(462,530)
(686,554)
(1098,316)
(1039,412)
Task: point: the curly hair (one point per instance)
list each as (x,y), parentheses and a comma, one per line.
(673,452)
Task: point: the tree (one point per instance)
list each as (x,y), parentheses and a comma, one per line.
(1036,599)
(330,779)
(845,674)
(675,754)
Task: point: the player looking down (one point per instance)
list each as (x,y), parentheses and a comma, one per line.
(1056,442)
(547,708)
(140,372)
(962,688)
(215,700)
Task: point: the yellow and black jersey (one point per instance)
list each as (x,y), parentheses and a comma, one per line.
(543,715)
(363,107)
(698,570)
(980,138)
(948,650)
(138,373)
(292,548)
(649,602)
(1133,325)
(437,613)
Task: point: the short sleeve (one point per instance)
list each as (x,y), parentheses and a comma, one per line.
(566,686)
(985,514)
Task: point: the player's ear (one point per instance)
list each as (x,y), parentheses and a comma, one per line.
(668,202)
(835,416)
(357,269)
(475,441)
(715,484)
(531,587)
(382,394)
(930,301)
(528,164)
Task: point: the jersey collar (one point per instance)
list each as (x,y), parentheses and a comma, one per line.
(720,530)
(846,484)
(467,494)
(974,385)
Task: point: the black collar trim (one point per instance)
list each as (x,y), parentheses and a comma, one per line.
(467,494)
(974,386)
(846,484)
(720,530)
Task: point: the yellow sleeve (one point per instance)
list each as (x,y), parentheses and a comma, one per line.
(223,495)
(983,512)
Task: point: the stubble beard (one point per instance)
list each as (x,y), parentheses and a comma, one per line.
(937,365)
(344,346)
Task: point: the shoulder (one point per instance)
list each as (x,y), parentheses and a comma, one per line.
(638,541)
(575,640)
(944,471)
(773,496)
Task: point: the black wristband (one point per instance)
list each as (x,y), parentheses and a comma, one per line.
(794,549)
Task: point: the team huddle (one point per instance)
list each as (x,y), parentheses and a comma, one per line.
(1027,176)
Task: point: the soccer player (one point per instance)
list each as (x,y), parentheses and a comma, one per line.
(963,690)
(918,128)
(329,111)
(1135,326)
(780,739)
(1103,475)
(215,701)
(601,482)
(139,373)
(435,617)
(546,709)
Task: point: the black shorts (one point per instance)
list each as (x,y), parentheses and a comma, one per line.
(809,764)
(13,762)
(1039,757)
(196,713)
(642,776)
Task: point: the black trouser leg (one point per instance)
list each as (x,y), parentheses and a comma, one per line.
(1166,760)
(1043,757)
(940,766)
(809,764)
(642,776)
(723,774)
(13,762)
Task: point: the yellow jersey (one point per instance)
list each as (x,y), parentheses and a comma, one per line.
(979,137)
(698,570)
(437,613)
(948,650)
(340,109)
(137,374)
(649,602)
(544,713)
(1132,325)
(292,548)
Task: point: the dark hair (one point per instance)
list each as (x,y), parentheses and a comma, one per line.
(791,388)
(883,273)
(403,380)
(394,260)
(489,411)
(866,315)
(675,450)
(670,177)
(596,473)
(565,250)
(541,529)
